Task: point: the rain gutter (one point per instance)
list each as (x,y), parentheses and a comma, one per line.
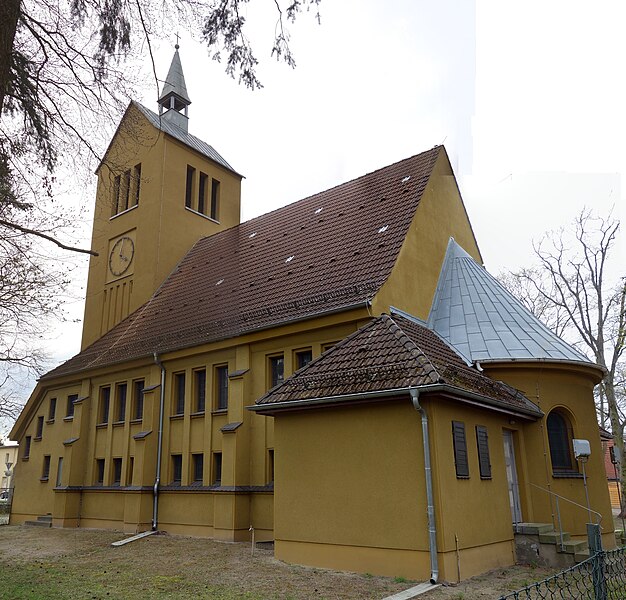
(157,480)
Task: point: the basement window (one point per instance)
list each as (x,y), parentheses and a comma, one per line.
(460,450)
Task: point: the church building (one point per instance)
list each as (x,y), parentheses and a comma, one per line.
(342,374)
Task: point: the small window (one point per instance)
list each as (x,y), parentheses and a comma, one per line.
(179,394)
(115,202)
(105,401)
(45,471)
(120,402)
(39,433)
(328,346)
(303,358)
(270,465)
(560,441)
(177,468)
(138,399)
(217,468)
(27,441)
(215,199)
(189,186)
(276,370)
(69,412)
(199,390)
(482,442)
(52,409)
(129,472)
(221,387)
(117,471)
(198,468)
(125,193)
(460,449)
(137,183)
(99,471)
(59,480)
(202,190)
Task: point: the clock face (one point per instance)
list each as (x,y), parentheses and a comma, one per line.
(121,255)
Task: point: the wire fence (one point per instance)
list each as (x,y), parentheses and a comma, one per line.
(600,577)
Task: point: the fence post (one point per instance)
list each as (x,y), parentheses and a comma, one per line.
(597,562)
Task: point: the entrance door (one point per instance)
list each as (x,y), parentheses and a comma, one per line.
(511,476)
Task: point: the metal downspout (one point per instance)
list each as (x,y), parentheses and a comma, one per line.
(157,480)
(432,528)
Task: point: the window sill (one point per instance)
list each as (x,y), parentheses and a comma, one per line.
(68,419)
(195,212)
(37,439)
(567,475)
(136,421)
(118,423)
(176,417)
(25,458)
(49,421)
(220,411)
(197,415)
(44,479)
(102,425)
(119,214)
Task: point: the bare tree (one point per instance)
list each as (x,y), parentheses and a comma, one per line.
(571,288)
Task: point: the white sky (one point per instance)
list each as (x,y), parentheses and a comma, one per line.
(528,97)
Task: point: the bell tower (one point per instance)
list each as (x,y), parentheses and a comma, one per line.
(160,189)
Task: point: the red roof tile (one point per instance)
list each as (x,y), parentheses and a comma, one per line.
(391,353)
(327,252)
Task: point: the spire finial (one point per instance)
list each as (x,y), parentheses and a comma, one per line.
(176,45)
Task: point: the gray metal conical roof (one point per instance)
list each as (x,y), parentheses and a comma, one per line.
(175,81)
(474,313)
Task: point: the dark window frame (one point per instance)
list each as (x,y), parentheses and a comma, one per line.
(99,477)
(137,182)
(276,369)
(199,390)
(177,469)
(121,399)
(191,172)
(45,470)
(69,411)
(178,406)
(197,463)
(220,374)
(116,479)
(560,435)
(138,397)
(27,447)
(459,443)
(104,405)
(39,430)
(52,409)
(202,192)
(303,357)
(216,469)
(215,199)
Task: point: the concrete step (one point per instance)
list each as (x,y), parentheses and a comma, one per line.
(573,546)
(45,519)
(533,528)
(582,555)
(38,523)
(553,537)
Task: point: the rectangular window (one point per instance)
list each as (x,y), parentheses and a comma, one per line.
(45,471)
(120,402)
(27,441)
(460,449)
(215,198)
(117,471)
(129,472)
(137,181)
(217,468)
(59,480)
(199,391)
(483,452)
(138,399)
(52,409)
(69,412)
(177,468)
(270,465)
(198,468)
(328,346)
(189,186)
(115,203)
(221,387)
(179,394)
(202,189)
(105,400)
(39,433)
(303,358)
(99,471)
(276,370)
(125,191)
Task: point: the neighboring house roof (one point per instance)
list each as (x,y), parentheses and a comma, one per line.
(474,313)
(329,252)
(175,80)
(391,354)
(182,136)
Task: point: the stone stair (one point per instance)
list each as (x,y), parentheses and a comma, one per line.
(540,544)
(42,521)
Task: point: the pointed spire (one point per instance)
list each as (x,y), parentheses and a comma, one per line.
(174,97)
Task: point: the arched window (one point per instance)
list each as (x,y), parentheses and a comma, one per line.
(560,439)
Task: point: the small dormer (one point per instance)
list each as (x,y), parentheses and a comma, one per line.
(174,99)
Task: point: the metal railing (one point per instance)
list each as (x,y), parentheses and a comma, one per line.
(600,577)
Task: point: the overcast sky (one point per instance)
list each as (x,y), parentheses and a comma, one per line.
(528,97)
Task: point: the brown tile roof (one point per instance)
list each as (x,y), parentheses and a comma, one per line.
(324,253)
(392,353)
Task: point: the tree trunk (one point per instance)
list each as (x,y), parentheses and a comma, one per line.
(9,15)
(618,437)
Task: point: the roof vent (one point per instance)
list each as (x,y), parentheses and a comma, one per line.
(383,229)
(319,210)
(252,234)
(405,179)
(290,258)
(220,282)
